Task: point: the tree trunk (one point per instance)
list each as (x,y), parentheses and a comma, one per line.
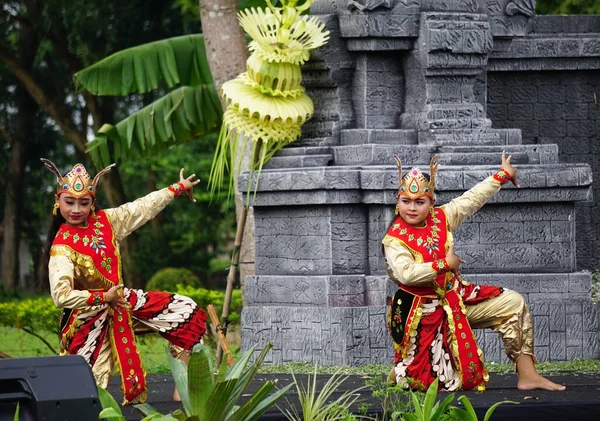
(227,52)
(12,206)
(226,47)
(23,130)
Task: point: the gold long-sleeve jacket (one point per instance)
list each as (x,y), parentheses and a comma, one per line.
(70,277)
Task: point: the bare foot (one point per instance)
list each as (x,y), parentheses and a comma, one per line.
(529,379)
(535,381)
(176,396)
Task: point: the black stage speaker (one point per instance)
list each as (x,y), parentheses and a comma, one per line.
(48,389)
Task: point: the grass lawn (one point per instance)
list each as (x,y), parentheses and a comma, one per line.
(17,343)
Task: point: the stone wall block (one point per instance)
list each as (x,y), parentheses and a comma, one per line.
(575,112)
(523,94)
(557,318)
(500,233)
(591,345)
(552,94)
(554,282)
(591,314)
(558,346)
(574,352)
(379,336)
(536,232)
(554,256)
(541,331)
(467,234)
(575,331)
(562,231)
(553,128)
(524,284)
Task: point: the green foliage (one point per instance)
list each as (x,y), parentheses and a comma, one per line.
(180,116)
(178,61)
(167,279)
(406,405)
(393,398)
(567,7)
(190,112)
(204,297)
(320,406)
(468,414)
(209,398)
(197,235)
(32,315)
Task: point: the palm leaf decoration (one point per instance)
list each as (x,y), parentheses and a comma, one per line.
(191,111)
(267,105)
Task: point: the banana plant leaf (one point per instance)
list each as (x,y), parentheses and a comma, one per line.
(141,69)
(182,115)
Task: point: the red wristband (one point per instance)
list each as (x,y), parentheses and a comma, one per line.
(502,176)
(96,298)
(177,189)
(441,266)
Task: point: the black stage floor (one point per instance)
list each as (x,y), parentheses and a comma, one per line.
(580,402)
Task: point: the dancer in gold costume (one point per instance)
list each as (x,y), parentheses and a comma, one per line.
(100,316)
(435,309)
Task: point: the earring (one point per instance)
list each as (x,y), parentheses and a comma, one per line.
(93,208)
(55,208)
(396,210)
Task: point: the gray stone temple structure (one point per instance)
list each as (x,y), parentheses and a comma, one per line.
(463,79)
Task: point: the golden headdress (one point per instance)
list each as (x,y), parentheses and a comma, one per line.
(414,184)
(76,182)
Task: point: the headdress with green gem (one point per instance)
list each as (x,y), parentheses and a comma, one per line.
(76,182)
(414,184)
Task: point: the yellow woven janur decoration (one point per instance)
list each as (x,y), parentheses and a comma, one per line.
(267,104)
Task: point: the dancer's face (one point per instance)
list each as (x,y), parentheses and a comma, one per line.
(414,211)
(74,210)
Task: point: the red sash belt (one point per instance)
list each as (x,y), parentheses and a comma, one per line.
(96,243)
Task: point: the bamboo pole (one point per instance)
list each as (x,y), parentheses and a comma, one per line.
(232,276)
(237,246)
(220,334)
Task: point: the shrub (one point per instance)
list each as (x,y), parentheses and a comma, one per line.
(32,315)
(204,297)
(167,280)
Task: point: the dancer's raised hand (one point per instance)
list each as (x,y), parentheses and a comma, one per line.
(510,170)
(189,184)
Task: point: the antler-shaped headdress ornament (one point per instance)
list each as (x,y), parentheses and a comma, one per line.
(414,184)
(76,182)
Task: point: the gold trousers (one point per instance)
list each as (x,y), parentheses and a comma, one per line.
(508,315)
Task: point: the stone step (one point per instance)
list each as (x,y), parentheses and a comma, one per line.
(458,123)
(374,154)
(470,137)
(299,161)
(479,158)
(378,136)
(536,154)
(304,150)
